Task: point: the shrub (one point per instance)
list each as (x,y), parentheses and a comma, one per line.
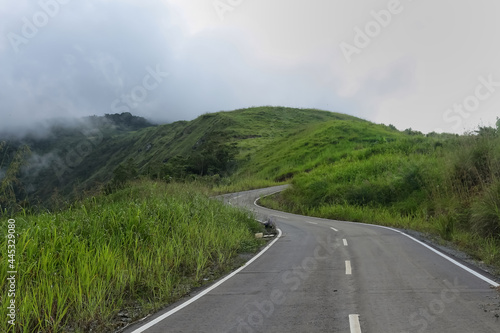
(485,212)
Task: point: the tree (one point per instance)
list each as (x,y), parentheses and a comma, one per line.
(11,187)
(213,157)
(486,131)
(122,174)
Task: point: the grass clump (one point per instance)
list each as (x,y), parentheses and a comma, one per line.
(134,250)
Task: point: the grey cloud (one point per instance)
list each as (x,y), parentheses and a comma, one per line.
(93,53)
(80,62)
(36,163)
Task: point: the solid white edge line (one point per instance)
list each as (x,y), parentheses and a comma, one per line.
(453,261)
(255,201)
(345,242)
(206,291)
(354,323)
(348,268)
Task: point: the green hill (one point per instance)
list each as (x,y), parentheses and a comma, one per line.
(146,180)
(72,160)
(340,166)
(444,185)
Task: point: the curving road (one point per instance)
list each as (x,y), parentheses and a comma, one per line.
(331,276)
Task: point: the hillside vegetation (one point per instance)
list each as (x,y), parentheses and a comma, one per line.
(340,167)
(443,185)
(70,161)
(143,230)
(128,253)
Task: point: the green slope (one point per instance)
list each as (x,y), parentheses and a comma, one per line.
(341,167)
(80,159)
(448,186)
(310,146)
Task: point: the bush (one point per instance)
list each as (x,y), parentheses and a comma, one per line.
(473,164)
(485,212)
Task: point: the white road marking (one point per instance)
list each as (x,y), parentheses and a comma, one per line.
(311,222)
(280,216)
(345,242)
(348,270)
(206,291)
(482,277)
(354,323)
(478,275)
(453,261)
(255,201)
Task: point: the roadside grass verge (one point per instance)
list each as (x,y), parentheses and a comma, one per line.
(449,189)
(131,252)
(242,183)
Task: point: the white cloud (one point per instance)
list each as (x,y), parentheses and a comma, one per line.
(281,53)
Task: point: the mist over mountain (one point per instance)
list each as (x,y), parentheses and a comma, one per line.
(55,127)
(54,149)
(67,158)
(175,60)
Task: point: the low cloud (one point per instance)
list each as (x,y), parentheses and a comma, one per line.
(75,59)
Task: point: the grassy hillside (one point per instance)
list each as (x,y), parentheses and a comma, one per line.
(340,167)
(131,252)
(108,253)
(308,147)
(77,159)
(444,185)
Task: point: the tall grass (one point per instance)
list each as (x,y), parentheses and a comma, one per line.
(134,250)
(242,183)
(449,188)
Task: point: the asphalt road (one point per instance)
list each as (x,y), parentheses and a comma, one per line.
(331,276)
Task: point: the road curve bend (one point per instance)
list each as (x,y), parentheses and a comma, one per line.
(332,276)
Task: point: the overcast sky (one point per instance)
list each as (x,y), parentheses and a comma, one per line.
(425,64)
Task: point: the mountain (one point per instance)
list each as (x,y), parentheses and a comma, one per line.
(55,157)
(270,143)
(340,167)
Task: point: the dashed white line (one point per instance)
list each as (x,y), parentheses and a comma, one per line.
(345,242)
(311,222)
(348,269)
(334,229)
(354,323)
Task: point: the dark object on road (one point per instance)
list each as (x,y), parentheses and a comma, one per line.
(270,225)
